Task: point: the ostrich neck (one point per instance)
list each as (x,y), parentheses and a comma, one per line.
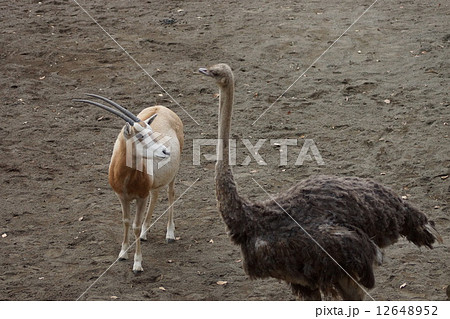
(229,201)
(225,112)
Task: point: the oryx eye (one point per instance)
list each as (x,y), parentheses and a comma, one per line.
(139,136)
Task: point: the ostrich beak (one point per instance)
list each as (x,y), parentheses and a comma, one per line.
(204,71)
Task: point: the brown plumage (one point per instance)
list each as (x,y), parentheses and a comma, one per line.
(340,223)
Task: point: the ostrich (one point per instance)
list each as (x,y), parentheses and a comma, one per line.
(323,235)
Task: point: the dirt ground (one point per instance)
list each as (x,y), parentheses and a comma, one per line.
(376,105)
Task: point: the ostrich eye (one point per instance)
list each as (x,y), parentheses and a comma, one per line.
(213,73)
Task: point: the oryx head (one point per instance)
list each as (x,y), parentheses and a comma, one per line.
(136,131)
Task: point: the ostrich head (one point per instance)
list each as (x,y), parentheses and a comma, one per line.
(220,72)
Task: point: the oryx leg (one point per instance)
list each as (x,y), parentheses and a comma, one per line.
(148,217)
(126,227)
(141,204)
(170,235)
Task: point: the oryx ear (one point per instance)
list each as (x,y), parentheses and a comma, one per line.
(127,131)
(150,119)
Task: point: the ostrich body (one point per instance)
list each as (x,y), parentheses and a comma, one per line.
(350,218)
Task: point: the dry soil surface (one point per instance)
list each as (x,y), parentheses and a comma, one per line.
(376,105)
